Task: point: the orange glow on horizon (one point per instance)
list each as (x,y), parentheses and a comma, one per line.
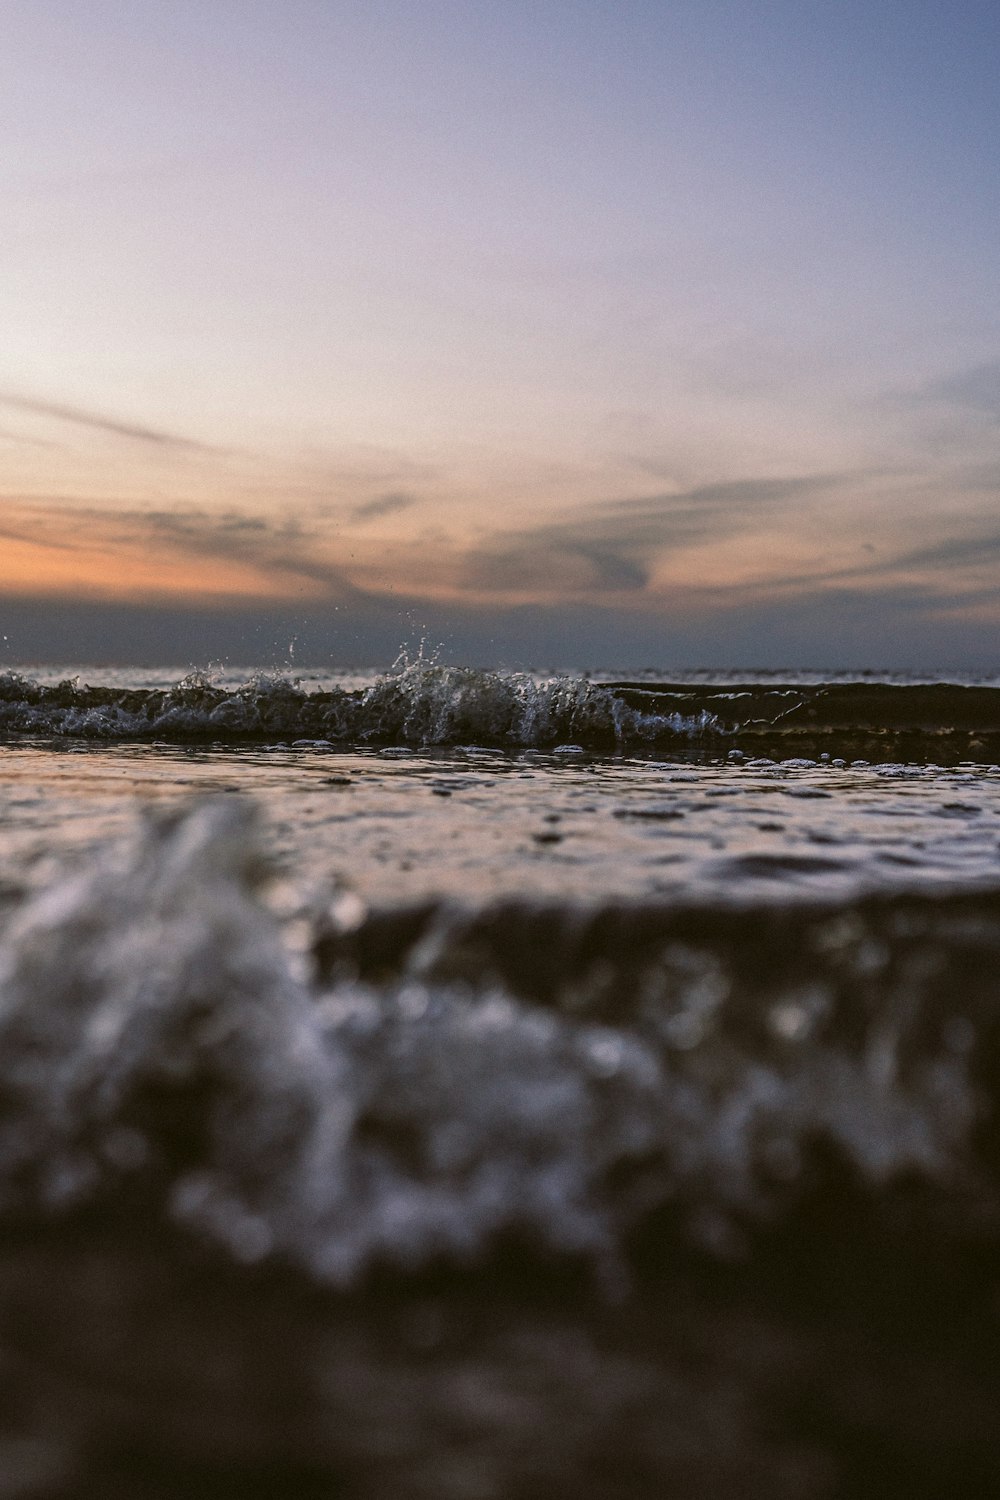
(231,555)
(132,573)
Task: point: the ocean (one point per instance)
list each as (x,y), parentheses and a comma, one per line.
(480,1085)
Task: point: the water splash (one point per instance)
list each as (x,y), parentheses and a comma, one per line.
(163,1047)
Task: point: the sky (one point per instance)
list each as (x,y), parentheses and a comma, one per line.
(558,332)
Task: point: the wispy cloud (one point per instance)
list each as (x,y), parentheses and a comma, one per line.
(284,549)
(382,505)
(954,417)
(80,417)
(35,536)
(652,556)
(189,550)
(976,389)
(975,548)
(613,546)
(961,564)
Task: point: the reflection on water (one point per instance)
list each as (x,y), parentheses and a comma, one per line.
(475,823)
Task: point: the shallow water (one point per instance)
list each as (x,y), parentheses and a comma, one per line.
(497,1116)
(475,823)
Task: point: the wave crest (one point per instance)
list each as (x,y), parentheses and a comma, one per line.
(423,704)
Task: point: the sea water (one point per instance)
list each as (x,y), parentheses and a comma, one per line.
(471,1084)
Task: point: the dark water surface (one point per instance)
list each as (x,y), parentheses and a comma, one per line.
(460,1084)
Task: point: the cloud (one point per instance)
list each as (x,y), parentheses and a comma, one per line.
(570,591)
(383,505)
(971,542)
(79,417)
(612,555)
(35,537)
(612,547)
(954,551)
(599,550)
(546,566)
(283,550)
(954,416)
(976,389)
(173,551)
(954,569)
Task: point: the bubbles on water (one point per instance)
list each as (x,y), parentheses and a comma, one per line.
(789,1020)
(347,911)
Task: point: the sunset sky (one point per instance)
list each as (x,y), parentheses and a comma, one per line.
(567,332)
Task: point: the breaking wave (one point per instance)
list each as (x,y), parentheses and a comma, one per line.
(423,704)
(426,703)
